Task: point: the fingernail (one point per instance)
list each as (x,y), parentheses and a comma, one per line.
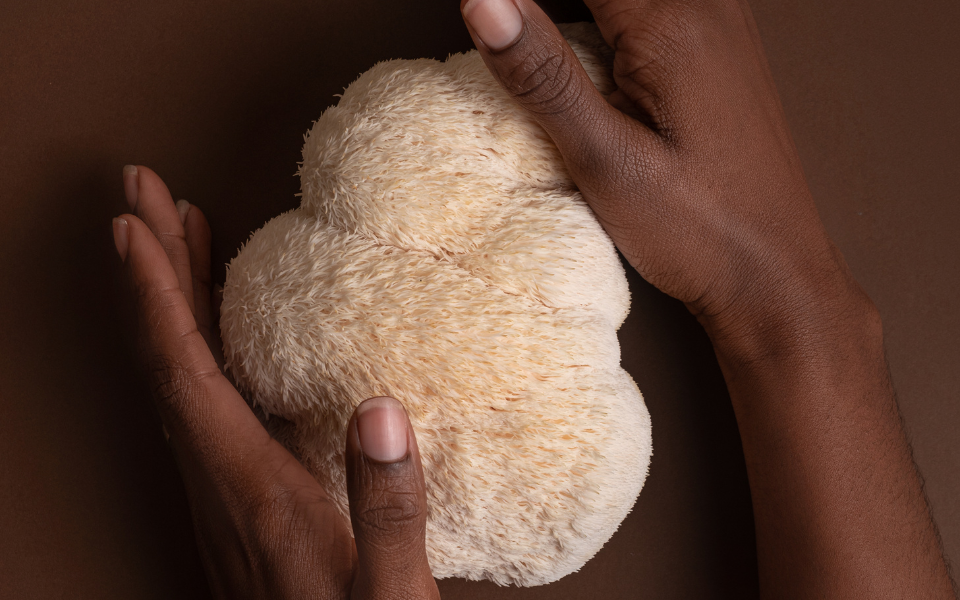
(120,237)
(382,429)
(497,22)
(183,207)
(131,185)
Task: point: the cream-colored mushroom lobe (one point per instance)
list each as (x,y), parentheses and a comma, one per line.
(442,255)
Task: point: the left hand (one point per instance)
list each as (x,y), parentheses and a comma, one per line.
(265,527)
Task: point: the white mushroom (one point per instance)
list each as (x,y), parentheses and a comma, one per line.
(443,256)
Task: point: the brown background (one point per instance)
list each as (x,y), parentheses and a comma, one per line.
(216,97)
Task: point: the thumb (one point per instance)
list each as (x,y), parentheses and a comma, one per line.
(532,61)
(388,505)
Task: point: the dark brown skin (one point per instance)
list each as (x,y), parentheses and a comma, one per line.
(265,527)
(692,171)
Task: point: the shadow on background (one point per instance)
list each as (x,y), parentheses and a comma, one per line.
(95,492)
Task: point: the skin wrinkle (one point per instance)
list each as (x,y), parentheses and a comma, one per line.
(554,90)
(174,243)
(657,56)
(279,493)
(176,369)
(173,382)
(163,297)
(391,503)
(380,487)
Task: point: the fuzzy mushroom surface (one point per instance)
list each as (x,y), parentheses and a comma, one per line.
(442,255)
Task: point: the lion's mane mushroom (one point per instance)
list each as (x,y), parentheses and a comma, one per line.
(442,255)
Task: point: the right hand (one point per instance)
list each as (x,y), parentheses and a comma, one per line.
(689,164)
(690,168)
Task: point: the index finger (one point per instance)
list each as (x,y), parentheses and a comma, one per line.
(198,405)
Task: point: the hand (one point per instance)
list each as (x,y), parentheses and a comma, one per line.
(690,168)
(264,526)
(689,164)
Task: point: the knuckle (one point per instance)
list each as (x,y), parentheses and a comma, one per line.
(545,81)
(153,303)
(172,239)
(274,513)
(391,509)
(661,59)
(172,383)
(173,243)
(658,48)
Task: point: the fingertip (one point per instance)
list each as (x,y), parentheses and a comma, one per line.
(183,207)
(152,193)
(498,23)
(194,221)
(125,237)
(142,253)
(121,237)
(382,430)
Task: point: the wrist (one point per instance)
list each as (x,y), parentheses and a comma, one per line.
(825,321)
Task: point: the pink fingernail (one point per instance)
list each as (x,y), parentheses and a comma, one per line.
(131,185)
(497,22)
(382,429)
(183,207)
(120,237)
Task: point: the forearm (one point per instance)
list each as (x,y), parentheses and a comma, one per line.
(690,167)
(838,503)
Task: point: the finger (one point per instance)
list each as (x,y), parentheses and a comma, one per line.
(150,199)
(197,232)
(533,62)
(203,413)
(388,506)
(248,494)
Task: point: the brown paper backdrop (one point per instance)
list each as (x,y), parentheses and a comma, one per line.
(216,96)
